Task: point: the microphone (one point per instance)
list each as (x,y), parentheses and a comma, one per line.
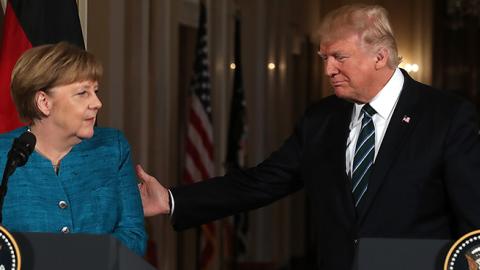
(17,156)
(21,149)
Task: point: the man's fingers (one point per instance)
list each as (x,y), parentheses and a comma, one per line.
(154,200)
(144,177)
(141,187)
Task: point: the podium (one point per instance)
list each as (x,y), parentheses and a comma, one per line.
(400,254)
(41,251)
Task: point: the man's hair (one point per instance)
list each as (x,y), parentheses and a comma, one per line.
(370,22)
(44,67)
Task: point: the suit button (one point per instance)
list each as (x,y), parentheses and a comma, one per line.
(65,230)
(62,204)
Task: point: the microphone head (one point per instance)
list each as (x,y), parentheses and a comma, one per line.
(29,140)
(22,147)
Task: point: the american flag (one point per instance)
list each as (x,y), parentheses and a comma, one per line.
(236,149)
(199,146)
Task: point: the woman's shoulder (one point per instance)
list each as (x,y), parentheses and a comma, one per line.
(106,132)
(6,139)
(108,143)
(13,133)
(106,137)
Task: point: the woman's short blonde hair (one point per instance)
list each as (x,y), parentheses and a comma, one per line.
(370,22)
(44,67)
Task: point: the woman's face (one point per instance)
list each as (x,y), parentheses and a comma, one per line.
(74,108)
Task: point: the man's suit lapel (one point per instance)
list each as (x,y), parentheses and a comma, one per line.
(401,124)
(340,131)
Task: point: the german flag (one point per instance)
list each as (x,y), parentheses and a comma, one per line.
(29,23)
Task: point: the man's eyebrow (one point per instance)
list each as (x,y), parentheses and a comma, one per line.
(322,55)
(334,54)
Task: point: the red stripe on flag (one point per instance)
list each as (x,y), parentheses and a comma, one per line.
(14,43)
(195,156)
(209,245)
(197,123)
(199,145)
(187,176)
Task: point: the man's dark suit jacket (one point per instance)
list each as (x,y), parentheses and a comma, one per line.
(425,182)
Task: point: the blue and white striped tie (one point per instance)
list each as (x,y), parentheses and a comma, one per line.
(364,155)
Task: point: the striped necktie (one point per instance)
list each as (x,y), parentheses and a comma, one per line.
(364,155)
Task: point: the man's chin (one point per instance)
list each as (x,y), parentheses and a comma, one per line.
(345,94)
(341,92)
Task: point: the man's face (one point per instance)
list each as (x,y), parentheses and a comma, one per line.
(350,68)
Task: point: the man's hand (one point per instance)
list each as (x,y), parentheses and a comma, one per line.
(155,197)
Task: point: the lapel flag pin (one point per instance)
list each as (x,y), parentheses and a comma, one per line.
(406,119)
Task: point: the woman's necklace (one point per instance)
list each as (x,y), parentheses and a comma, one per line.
(56,167)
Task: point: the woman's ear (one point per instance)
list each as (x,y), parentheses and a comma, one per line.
(43,102)
(381,58)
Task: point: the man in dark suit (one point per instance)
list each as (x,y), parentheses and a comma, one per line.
(386,156)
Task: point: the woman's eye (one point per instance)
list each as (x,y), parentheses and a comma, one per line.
(81,93)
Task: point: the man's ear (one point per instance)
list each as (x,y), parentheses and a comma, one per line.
(43,102)
(381,58)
